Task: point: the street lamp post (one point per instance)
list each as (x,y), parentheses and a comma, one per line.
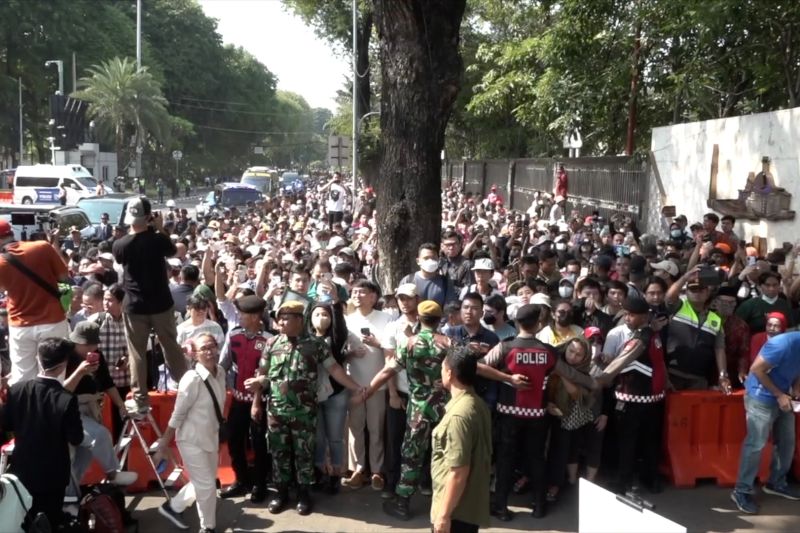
(139,148)
(355,97)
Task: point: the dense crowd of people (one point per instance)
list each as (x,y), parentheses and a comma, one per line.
(540,342)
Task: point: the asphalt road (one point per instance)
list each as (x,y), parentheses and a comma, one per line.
(704,508)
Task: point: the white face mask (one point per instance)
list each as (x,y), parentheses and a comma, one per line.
(321,322)
(429,265)
(565,292)
(770,301)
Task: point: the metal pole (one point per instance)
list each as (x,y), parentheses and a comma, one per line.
(74,72)
(355,96)
(138,34)
(21,145)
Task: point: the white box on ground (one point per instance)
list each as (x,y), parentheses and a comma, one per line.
(599,511)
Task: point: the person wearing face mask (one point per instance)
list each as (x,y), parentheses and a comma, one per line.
(563,327)
(328,324)
(495,318)
(566,288)
(45,420)
(755,310)
(240,356)
(431,285)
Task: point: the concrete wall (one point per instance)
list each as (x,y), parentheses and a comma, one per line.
(683,154)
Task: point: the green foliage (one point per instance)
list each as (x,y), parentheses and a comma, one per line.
(535,68)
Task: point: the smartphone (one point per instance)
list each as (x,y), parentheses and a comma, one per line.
(92,358)
(365,332)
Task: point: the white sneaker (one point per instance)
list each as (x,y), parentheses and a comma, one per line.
(123,478)
(135,409)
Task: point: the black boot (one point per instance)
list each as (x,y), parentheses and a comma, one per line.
(259,494)
(539,507)
(278,502)
(304,503)
(398,507)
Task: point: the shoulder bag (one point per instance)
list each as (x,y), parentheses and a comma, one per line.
(223,427)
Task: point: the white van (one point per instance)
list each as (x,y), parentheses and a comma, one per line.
(40,184)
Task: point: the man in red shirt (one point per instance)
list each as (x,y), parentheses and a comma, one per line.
(561,185)
(33,313)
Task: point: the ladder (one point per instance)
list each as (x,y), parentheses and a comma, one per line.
(131,430)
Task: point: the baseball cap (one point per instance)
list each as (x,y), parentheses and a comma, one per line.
(335,242)
(406,289)
(667,266)
(85,332)
(483,264)
(5,229)
(636,305)
(138,211)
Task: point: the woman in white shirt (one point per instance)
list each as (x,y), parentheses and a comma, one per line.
(194,420)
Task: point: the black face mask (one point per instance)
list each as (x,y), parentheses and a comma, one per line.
(489,319)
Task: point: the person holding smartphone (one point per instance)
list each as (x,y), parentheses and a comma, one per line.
(89,379)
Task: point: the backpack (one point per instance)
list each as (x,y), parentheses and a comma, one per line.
(102,510)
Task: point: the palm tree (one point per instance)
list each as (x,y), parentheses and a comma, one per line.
(125,102)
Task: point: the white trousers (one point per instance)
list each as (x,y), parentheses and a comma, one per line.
(23,342)
(202,487)
(374,414)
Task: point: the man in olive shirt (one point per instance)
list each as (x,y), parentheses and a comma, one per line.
(462,450)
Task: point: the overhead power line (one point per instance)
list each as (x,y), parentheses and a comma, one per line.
(237,111)
(255,132)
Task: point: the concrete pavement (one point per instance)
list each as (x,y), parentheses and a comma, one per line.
(705,508)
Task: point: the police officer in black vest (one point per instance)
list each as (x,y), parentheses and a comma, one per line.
(523,366)
(640,391)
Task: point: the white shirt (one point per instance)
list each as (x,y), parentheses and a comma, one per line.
(396,337)
(338,204)
(363,369)
(194,417)
(616,339)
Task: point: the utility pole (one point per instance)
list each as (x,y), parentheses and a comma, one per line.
(355,96)
(21,142)
(74,72)
(637,45)
(139,148)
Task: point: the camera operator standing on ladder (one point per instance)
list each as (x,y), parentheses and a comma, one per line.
(148,302)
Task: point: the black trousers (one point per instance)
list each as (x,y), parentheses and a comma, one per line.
(50,503)
(529,434)
(240,427)
(639,426)
(395,430)
(457,526)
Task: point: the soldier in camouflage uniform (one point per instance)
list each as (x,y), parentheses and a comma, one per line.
(288,369)
(422,359)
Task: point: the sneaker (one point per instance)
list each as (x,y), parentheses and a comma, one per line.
(176,518)
(744,502)
(136,409)
(123,478)
(377,482)
(784,492)
(356,481)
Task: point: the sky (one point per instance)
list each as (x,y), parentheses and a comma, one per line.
(302,62)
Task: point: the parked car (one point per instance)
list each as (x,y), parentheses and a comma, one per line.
(228,195)
(30,222)
(114,204)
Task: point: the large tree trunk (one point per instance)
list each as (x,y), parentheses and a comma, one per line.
(421,72)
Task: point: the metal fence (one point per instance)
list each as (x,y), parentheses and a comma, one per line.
(607,184)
